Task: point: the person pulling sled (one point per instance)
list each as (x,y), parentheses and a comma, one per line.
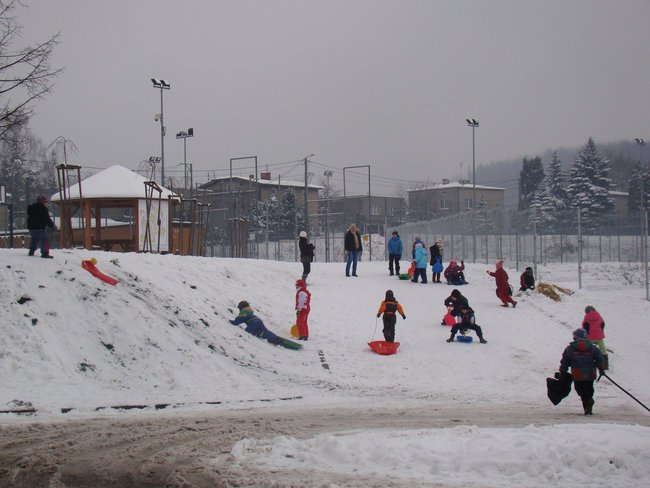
(584,358)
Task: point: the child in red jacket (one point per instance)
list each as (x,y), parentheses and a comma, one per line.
(503,287)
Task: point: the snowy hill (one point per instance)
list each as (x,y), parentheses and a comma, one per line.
(72,346)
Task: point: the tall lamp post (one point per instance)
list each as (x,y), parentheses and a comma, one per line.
(305,161)
(644,202)
(328,174)
(161,85)
(473,123)
(184,135)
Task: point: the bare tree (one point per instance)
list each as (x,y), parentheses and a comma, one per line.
(25,72)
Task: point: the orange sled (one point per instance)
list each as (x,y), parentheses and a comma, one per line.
(384,348)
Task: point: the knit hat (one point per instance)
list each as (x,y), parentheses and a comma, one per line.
(499,264)
(589,308)
(303,233)
(42,199)
(389,295)
(242,304)
(395,233)
(453,261)
(528,268)
(579,334)
(300,283)
(455,293)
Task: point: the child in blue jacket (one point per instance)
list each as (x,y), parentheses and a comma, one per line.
(254,324)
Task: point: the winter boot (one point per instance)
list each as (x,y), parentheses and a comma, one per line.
(451,339)
(483,341)
(588,407)
(606,358)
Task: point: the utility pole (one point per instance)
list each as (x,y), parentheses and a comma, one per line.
(305,161)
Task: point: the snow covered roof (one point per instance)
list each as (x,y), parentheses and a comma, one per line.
(455,184)
(260,181)
(114,182)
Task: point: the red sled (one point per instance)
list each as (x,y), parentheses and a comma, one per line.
(449,319)
(89,265)
(384,348)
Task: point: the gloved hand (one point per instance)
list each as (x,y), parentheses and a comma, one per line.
(462,263)
(378,315)
(404,317)
(297,313)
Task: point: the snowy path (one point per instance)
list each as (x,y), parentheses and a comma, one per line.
(166,449)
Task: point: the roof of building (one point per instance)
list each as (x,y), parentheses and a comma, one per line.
(276,182)
(114,182)
(456,184)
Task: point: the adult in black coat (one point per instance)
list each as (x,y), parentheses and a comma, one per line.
(306,254)
(38,220)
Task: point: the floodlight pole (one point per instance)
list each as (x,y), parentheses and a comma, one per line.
(162,85)
(473,123)
(369,204)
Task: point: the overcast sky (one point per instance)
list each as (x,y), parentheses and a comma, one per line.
(385,83)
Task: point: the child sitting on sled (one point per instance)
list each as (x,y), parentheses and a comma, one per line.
(390,307)
(467,322)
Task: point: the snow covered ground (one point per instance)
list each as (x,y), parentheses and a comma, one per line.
(160,340)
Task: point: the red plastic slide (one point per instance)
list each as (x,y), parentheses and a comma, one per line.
(89,265)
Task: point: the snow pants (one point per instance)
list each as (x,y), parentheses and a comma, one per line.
(504,296)
(476,328)
(585,390)
(301,323)
(38,237)
(420,272)
(389,326)
(394,259)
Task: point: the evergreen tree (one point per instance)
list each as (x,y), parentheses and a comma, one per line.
(290,217)
(639,184)
(530,178)
(590,185)
(552,198)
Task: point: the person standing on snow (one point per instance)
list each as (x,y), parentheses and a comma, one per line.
(254,324)
(583,358)
(395,249)
(38,220)
(306,254)
(415,243)
(467,321)
(353,248)
(303,299)
(436,261)
(420,263)
(390,307)
(527,280)
(503,287)
(594,324)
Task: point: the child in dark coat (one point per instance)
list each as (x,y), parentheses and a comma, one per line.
(390,307)
(527,280)
(467,322)
(583,358)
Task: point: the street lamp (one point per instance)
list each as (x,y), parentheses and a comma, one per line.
(161,85)
(306,160)
(328,174)
(184,135)
(473,123)
(644,201)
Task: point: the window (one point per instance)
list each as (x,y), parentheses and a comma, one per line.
(444,204)
(375,211)
(469,203)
